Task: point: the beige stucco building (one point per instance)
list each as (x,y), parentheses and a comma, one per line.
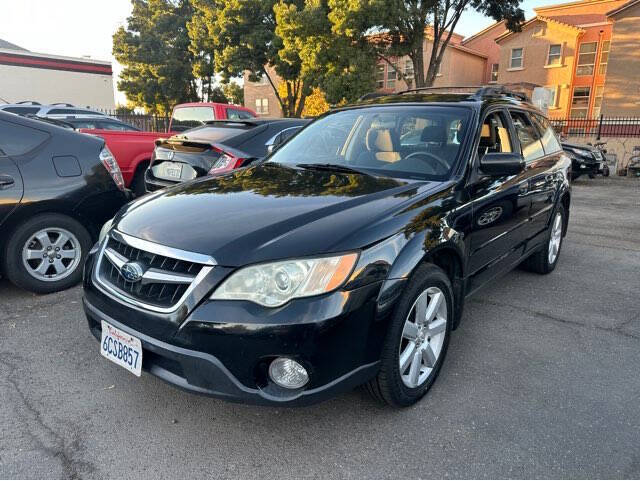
(622,87)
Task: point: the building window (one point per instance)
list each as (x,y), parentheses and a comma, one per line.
(262,106)
(516,58)
(587,58)
(553,96)
(604,57)
(597,100)
(494,72)
(380,76)
(580,102)
(391,77)
(408,68)
(555,54)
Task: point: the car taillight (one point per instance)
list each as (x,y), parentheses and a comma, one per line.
(112,167)
(226,163)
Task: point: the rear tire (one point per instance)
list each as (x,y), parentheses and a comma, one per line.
(137,184)
(419,342)
(46,253)
(544,261)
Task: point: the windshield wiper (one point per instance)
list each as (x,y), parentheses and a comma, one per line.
(333,168)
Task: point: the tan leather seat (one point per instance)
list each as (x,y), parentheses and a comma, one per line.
(383,143)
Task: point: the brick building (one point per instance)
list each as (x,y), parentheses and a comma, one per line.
(566,48)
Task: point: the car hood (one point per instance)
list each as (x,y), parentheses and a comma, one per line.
(271,212)
(578,146)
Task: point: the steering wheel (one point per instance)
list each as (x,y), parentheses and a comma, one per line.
(438,160)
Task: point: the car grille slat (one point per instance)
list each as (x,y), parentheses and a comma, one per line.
(155,293)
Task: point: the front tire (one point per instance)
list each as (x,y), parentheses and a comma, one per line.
(46,253)
(545,260)
(417,340)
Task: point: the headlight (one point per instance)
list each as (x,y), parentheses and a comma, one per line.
(105,229)
(584,153)
(276,283)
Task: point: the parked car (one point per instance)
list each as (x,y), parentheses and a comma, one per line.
(58,110)
(133,151)
(585,160)
(194,114)
(218,146)
(57,187)
(344,258)
(99,123)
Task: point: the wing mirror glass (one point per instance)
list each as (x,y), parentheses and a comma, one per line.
(502,163)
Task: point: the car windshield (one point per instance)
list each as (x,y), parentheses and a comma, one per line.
(413,142)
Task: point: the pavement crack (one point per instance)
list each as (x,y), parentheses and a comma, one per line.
(46,438)
(615,330)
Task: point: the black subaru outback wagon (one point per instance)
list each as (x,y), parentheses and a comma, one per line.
(344,258)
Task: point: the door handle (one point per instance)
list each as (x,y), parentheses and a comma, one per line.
(6,181)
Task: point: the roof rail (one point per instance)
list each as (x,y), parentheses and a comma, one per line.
(64,104)
(474,90)
(501,91)
(28,102)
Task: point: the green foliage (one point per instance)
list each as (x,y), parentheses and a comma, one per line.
(234,93)
(154,50)
(401,26)
(291,38)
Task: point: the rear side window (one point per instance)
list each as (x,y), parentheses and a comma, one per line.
(188,117)
(528,135)
(18,140)
(85,124)
(115,126)
(549,139)
(22,110)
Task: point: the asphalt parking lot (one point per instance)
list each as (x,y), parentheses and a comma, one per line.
(542,380)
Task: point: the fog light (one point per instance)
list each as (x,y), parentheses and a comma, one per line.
(288,373)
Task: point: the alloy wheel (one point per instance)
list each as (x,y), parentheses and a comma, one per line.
(423,337)
(556,238)
(51,254)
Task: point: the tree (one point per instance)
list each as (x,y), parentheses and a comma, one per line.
(234,93)
(315,103)
(335,63)
(244,39)
(154,49)
(288,41)
(400,27)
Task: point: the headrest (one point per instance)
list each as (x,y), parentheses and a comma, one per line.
(381,140)
(434,133)
(488,136)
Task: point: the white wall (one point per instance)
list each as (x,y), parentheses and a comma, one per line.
(50,86)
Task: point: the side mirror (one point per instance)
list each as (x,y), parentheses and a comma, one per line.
(502,163)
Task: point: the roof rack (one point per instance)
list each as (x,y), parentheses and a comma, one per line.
(64,104)
(28,102)
(474,91)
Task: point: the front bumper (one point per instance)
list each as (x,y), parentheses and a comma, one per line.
(202,373)
(223,348)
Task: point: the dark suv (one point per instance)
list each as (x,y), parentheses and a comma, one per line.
(344,258)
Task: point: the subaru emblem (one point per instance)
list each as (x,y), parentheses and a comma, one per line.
(132,271)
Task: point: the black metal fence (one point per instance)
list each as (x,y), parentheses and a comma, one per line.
(598,127)
(148,123)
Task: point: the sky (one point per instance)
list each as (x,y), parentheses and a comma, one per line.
(77,28)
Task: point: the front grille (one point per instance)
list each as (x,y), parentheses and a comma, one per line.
(178,274)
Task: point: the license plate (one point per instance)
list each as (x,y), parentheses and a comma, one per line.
(122,348)
(171,170)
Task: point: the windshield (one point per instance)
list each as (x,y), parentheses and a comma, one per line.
(415,142)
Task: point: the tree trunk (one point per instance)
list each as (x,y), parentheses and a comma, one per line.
(418,63)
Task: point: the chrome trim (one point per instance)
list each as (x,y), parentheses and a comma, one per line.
(150,276)
(162,250)
(123,298)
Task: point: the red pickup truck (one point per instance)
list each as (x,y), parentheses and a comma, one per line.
(133,149)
